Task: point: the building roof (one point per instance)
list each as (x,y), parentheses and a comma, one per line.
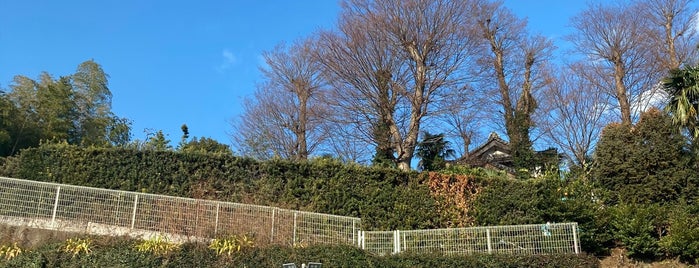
(494,143)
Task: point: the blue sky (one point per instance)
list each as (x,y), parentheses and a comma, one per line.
(176,62)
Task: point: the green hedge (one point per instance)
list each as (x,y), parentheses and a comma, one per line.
(116,252)
(653,231)
(385,199)
(645,231)
(547,199)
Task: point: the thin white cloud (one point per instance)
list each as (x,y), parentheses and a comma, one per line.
(228,56)
(228,60)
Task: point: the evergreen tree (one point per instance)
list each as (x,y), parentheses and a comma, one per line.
(203,145)
(74,108)
(157,142)
(645,163)
(433,151)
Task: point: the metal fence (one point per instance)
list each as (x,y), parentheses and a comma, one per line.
(100,211)
(75,207)
(549,238)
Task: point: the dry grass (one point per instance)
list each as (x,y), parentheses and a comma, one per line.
(618,259)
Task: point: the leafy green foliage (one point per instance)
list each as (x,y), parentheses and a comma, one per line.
(683,87)
(385,154)
(205,145)
(157,142)
(652,231)
(10,123)
(158,245)
(231,244)
(518,130)
(506,201)
(645,163)
(638,228)
(433,151)
(119,252)
(385,199)
(74,108)
(683,233)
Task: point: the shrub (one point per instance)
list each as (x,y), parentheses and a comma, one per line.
(455,195)
(638,228)
(231,244)
(158,245)
(645,163)
(119,252)
(682,237)
(76,246)
(8,252)
(549,199)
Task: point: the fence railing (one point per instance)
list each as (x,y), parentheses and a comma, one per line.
(63,205)
(102,211)
(549,238)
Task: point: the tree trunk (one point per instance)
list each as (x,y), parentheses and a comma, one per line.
(621,95)
(302,93)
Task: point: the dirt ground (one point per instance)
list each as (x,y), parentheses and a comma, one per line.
(618,259)
(30,237)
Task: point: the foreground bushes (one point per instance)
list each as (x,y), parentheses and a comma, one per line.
(118,252)
(652,231)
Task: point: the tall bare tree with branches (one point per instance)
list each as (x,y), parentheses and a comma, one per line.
(575,113)
(362,69)
(612,40)
(515,65)
(398,58)
(285,117)
(669,35)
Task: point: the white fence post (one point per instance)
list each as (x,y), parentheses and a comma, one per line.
(294,236)
(363,239)
(360,239)
(575,237)
(216,224)
(55,207)
(396,242)
(271,235)
(133,215)
(403,240)
(196,217)
(354,232)
(490,244)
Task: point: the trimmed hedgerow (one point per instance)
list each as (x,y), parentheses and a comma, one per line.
(385,199)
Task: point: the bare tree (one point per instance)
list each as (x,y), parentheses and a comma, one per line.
(461,118)
(398,58)
(612,40)
(670,34)
(576,112)
(515,64)
(362,69)
(285,117)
